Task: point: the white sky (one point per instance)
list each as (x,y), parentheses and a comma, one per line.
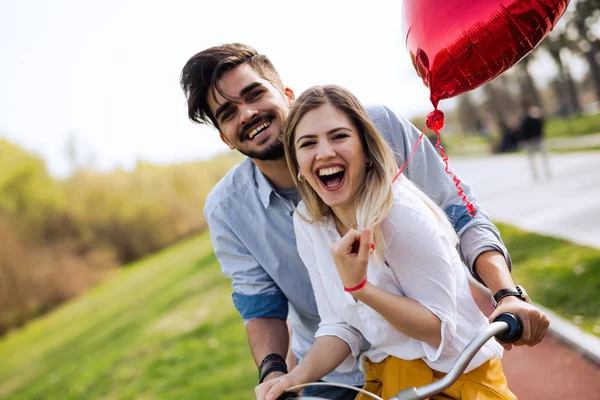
(107,73)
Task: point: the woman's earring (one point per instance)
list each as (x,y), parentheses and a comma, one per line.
(300,177)
(369,163)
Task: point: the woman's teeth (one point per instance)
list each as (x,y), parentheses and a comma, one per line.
(332,176)
(258,130)
(330,171)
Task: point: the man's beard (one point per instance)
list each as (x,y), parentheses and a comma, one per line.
(271,153)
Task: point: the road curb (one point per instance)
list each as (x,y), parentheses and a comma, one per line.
(568,333)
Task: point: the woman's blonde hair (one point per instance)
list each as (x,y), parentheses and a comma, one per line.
(375,197)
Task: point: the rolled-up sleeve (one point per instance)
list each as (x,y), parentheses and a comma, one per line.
(255,294)
(331,324)
(478,239)
(422,263)
(426,169)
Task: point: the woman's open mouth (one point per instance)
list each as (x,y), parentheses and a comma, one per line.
(332,178)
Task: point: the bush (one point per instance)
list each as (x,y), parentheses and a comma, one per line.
(64,235)
(27,191)
(34,277)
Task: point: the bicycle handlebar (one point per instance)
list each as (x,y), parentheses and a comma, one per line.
(507,327)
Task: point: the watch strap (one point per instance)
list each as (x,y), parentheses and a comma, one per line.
(502,293)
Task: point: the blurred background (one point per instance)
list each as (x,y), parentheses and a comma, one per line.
(100,167)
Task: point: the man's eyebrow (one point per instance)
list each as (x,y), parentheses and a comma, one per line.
(249,88)
(222,108)
(329,132)
(243,92)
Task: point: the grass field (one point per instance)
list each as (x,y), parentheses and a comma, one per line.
(165,328)
(557,274)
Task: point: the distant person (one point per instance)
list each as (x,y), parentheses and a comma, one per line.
(531,135)
(249,212)
(509,137)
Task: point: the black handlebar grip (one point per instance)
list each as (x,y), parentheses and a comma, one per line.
(515,330)
(288,395)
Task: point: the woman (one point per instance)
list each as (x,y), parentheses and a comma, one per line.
(381,259)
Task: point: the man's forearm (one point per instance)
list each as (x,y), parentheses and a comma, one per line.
(493,270)
(267,336)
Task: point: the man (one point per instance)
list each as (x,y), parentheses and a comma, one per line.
(249,212)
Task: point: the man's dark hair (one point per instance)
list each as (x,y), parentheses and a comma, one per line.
(200,74)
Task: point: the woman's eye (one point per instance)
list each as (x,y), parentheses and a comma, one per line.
(340,136)
(306,144)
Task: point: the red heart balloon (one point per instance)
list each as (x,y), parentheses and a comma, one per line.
(458,45)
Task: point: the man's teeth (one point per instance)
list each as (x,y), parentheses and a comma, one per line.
(330,171)
(258,129)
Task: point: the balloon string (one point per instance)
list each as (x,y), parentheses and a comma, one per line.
(435,121)
(461,193)
(414,150)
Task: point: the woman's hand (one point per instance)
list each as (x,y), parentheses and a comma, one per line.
(273,388)
(351,256)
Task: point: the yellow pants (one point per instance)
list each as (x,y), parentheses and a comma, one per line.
(387,378)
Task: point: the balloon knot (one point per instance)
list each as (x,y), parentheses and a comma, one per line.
(435,120)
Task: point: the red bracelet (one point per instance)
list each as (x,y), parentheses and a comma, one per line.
(357,287)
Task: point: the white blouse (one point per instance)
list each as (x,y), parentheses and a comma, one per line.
(420,263)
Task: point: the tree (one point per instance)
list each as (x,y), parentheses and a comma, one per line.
(554,45)
(468,116)
(529,91)
(587,12)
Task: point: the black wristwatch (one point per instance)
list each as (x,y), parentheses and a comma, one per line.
(517,291)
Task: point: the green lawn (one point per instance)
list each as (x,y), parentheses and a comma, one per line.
(165,328)
(557,274)
(573,126)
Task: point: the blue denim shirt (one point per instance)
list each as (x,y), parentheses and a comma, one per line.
(252,233)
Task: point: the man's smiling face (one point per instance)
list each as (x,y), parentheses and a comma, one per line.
(251,113)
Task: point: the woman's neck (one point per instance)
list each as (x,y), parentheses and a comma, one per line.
(345,219)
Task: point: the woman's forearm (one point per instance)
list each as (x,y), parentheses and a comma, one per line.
(325,355)
(403,313)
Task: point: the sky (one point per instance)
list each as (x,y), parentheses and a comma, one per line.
(104,76)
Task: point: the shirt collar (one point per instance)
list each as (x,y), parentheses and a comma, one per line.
(265,189)
(329,223)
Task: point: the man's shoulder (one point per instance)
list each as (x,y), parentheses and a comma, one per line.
(385,119)
(376,111)
(236,181)
(392,127)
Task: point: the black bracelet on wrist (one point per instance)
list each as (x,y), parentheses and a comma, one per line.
(271,363)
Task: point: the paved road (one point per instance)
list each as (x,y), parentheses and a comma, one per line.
(567,205)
